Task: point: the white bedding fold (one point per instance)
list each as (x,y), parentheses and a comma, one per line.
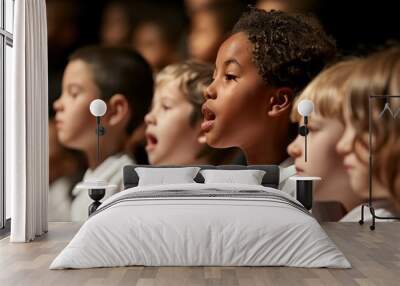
(181,231)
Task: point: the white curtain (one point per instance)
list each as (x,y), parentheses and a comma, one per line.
(27,123)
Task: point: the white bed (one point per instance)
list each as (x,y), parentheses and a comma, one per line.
(201,224)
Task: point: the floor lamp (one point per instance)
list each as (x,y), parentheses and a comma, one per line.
(394,115)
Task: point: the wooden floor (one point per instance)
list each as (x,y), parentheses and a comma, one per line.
(374,255)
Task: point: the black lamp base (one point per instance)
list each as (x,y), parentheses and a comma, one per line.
(304,190)
(96,195)
(374,216)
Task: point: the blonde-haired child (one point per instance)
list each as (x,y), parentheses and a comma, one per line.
(376,75)
(326,126)
(173,125)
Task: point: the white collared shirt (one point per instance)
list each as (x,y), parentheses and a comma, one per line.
(355,215)
(109,170)
(287,170)
(59,204)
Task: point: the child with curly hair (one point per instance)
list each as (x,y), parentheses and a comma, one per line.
(268,60)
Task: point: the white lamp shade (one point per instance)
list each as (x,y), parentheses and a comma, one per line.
(98,107)
(305,107)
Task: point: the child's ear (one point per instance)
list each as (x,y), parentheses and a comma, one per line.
(117,110)
(280,101)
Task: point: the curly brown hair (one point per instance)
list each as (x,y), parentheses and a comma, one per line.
(288,49)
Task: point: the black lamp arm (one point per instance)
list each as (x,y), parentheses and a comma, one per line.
(100,131)
(303,131)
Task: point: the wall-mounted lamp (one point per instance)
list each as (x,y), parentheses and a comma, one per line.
(97,187)
(305,107)
(98,108)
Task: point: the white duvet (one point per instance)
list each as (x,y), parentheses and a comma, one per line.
(190,230)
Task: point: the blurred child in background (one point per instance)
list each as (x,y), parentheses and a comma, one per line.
(193,5)
(116,24)
(211,24)
(158,36)
(123,79)
(288,5)
(379,74)
(173,130)
(326,126)
(63,35)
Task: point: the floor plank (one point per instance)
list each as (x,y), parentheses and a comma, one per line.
(374,255)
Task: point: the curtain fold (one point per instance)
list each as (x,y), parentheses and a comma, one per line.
(27,123)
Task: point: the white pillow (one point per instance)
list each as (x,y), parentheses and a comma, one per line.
(248,177)
(162,176)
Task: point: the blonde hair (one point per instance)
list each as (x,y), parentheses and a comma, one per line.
(379,74)
(326,91)
(193,78)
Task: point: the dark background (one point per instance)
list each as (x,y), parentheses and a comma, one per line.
(358,26)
